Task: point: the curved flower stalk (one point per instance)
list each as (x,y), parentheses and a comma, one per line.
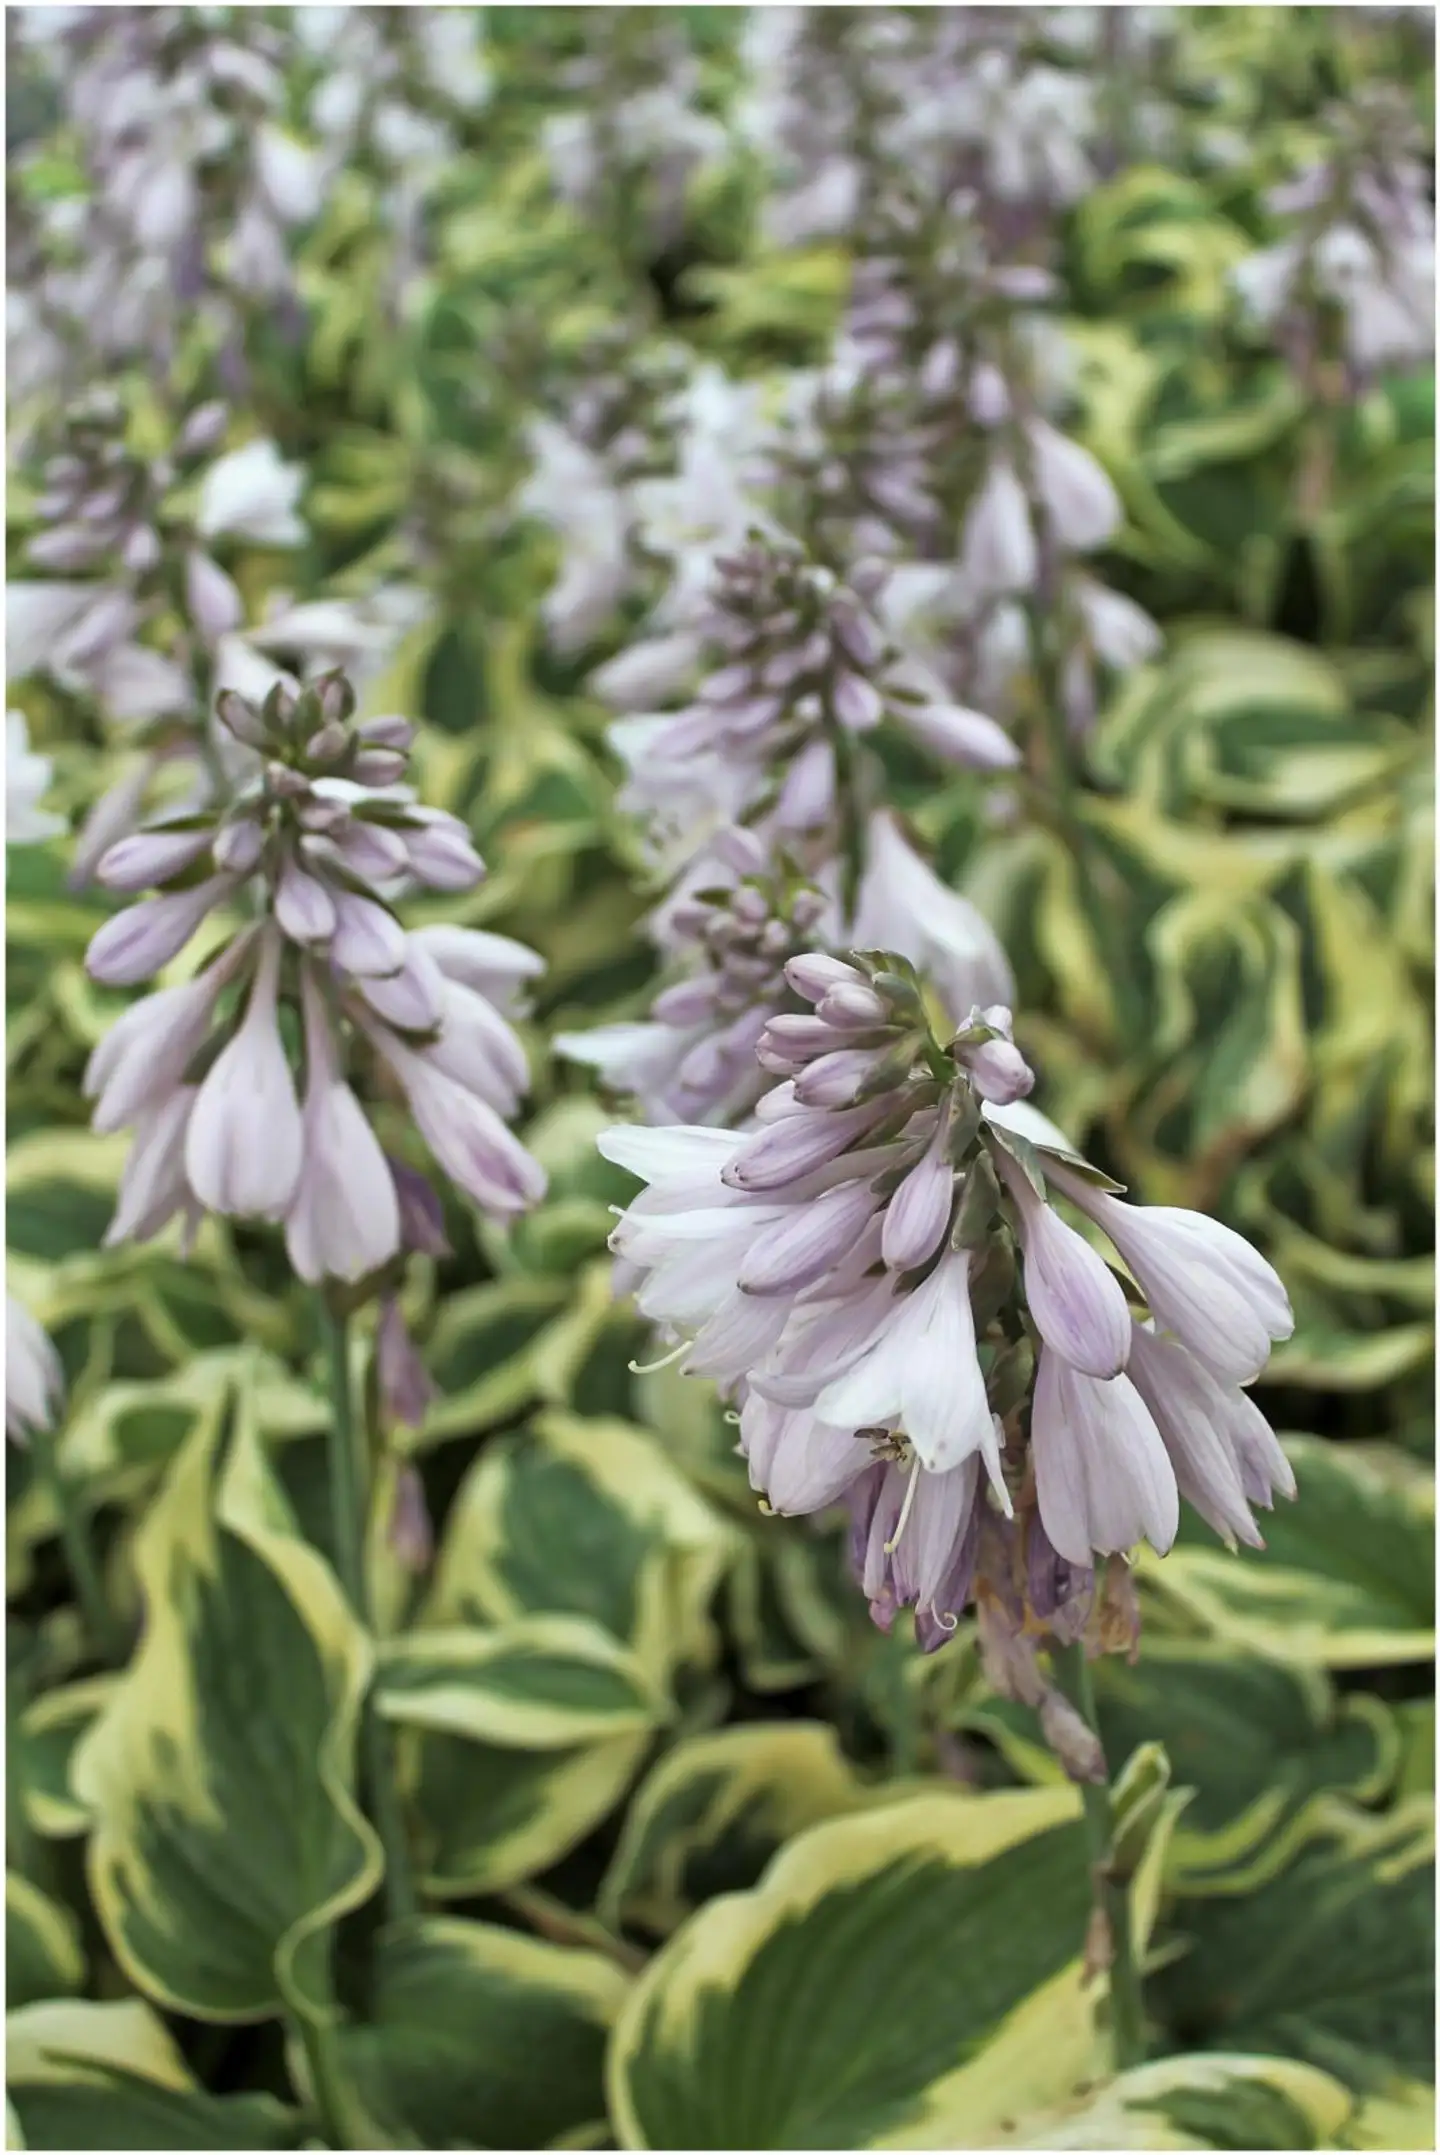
(877,1273)
(317,840)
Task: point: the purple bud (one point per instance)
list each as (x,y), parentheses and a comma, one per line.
(304,907)
(853,1008)
(441,853)
(141,552)
(394,733)
(214,604)
(422,1217)
(814,975)
(137,942)
(371,852)
(328,744)
(379,767)
(368,938)
(240,718)
(857,635)
(151,857)
(203,430)
(858,703)
(405,1389)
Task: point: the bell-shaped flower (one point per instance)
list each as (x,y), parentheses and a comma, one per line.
(245,1142)
(1075,1299)
(467,1137)
(34,1379)
(252,494)
(344,1219)
(920,1374)
(1103,1478)
(1203,1282)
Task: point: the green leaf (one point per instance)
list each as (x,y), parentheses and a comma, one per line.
(890,1974)
(1347,1577)
(1331,1960)
(515,1742)
(109,2076)
(43,1954)
(1198,2102)
(226,1835)
(479,2037)
(1262,1746)
(586,1517)
(712,1814)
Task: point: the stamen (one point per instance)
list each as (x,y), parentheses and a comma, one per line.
(911,1484)
(648,1369)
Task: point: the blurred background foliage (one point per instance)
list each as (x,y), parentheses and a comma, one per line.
(619,1692)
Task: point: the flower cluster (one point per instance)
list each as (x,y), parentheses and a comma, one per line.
(317,838)
(771,764)
(694,1058)
(34,1380)
(879,1275)
(193,180)
(1353,279)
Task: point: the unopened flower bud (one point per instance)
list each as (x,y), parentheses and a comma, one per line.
(240,718)
(328,744)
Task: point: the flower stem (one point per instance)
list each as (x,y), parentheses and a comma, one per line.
(75,1540)
(349,1500)
(1112,1895)
(326,2077)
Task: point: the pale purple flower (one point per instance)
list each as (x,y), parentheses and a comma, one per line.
(34,1379)
(153,1184)
(244,1146)
(466,1135)
(1203,1282)
(904,906)
(147,1051)
(1074,490)
(27,778)
(1075,1299)
(135,944)
(1209,1431)
(999,552)
(343,1221)
(1103,1478)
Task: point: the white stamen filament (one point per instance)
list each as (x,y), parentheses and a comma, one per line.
(912,1482)
(648,1369)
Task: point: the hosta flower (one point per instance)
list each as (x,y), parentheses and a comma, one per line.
(34,1380)
(803,676)
(693,1059)
(319,837)
(842,1269)
(27,779)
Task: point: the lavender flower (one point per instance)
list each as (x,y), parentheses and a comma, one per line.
(321,837)
(694,1059)
(845,1271)
(27,779)
(34,1380)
